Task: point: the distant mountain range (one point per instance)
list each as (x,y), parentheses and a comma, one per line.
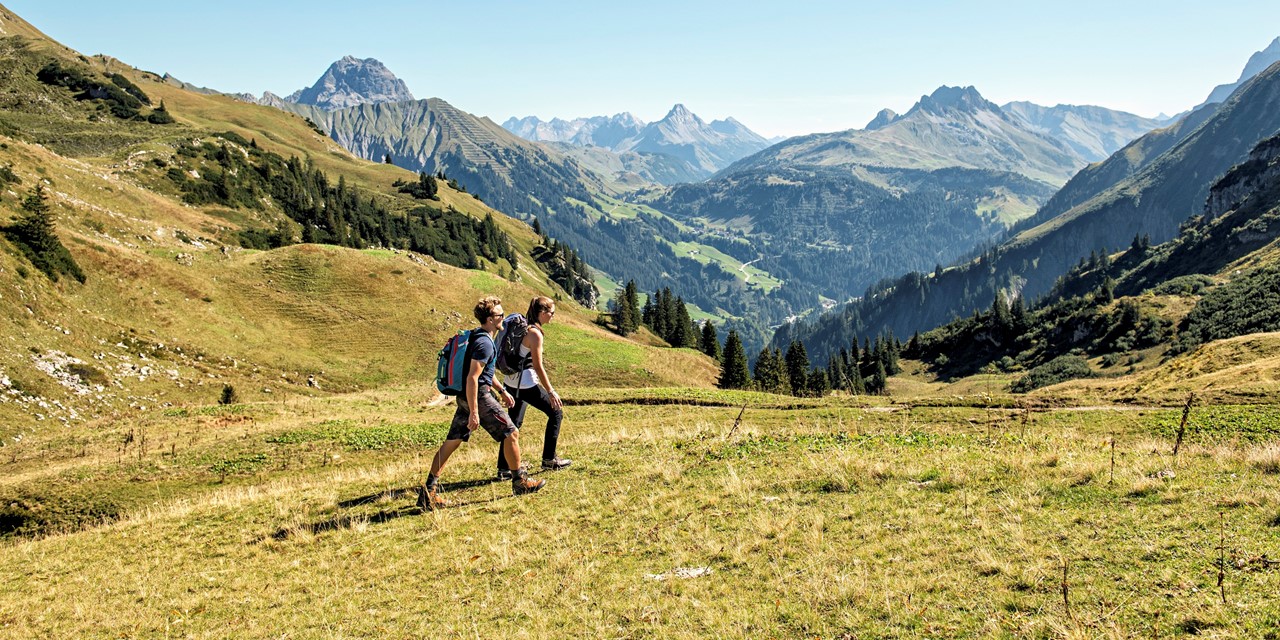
(1149,188)
(1093,133)
(827,215)
(952,127)
(705,147)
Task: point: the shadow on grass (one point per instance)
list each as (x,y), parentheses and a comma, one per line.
(348,521)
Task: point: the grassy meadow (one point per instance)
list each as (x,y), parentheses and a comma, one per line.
(832,518)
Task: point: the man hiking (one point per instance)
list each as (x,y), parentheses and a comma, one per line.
(478,407)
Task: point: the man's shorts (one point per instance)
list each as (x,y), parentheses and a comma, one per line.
(493,417)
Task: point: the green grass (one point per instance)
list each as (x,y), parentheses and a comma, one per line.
(706,254)
(816,518)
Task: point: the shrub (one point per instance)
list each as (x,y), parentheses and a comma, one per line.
(1247,304)
(8,177)
(1189,285)
(229,395)
(1059,369)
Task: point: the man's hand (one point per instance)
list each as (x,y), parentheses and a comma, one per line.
(473,421)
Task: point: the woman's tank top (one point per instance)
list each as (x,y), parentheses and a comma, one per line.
(526,379)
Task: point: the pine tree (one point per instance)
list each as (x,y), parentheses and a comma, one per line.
(35,227)
(682,334)
(770,375)
(649,314)
(733,372)
(1018,316)
(710,343)
(836,374)
(631,296)
(622,315)
(34,231)
(797,365)
(817,383)
(879,379)
(892,352)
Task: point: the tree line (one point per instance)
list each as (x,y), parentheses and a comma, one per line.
(236,173)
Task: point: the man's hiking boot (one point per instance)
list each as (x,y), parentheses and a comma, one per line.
(429,498)
(523,484)
(556,464)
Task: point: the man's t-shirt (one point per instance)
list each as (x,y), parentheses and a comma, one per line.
(482,348)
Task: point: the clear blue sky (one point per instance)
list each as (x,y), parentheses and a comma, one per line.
(782,68)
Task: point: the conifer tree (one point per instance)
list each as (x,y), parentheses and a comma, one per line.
(35,227)
(682,334)
(623,318)
(733,371)
(1018,316)
(770,374)
(710,343)
(879,379)
(797,366)
(649,314)
(631,300)
(836,374)
(34,231)
(817,383)
(892,352)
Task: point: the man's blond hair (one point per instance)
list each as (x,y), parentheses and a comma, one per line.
(484,308)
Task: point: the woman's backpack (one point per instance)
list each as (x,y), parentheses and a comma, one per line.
(514,329)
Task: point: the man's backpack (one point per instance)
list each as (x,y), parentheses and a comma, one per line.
(514,329)
(451,370)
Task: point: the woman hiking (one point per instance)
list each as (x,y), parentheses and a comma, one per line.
(532,387)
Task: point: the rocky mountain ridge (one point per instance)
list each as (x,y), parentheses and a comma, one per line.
(681,134)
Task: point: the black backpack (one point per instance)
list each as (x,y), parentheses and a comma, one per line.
(514,328)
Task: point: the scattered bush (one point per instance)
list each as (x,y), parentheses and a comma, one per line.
(1191,285)
(1247,304)
(119,101)
(8,177)
(229,395)
(1060,369)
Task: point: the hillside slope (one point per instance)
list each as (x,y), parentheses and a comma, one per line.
(173,309)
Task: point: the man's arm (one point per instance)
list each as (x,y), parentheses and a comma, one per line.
(473,393)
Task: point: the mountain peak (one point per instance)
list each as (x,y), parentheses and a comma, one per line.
(679,113)
(885,117)
(350,82)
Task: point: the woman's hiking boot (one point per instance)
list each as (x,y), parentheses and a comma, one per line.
(556,464)
(505,474)
(522,484)
(429,498)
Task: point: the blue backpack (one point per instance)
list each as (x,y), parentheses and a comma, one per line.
(451,370)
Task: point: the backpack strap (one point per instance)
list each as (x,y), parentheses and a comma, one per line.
(493,359)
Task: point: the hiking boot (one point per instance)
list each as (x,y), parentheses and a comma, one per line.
(556,464)
(505,474)
(429,498)
(523,484)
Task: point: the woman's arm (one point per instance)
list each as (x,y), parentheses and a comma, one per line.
(534,341)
